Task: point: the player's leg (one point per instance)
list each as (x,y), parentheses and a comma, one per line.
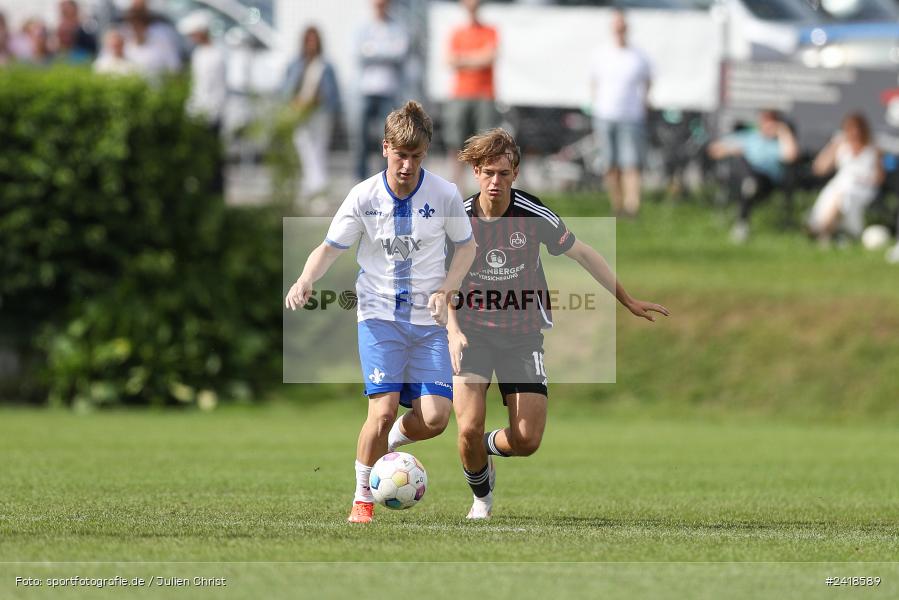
(522,381)
(382,354)
(371,446)
(527,421)
(427,418)
(470,406)
(427,388)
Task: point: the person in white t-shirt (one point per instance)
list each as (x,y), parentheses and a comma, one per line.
(208,76)
(149,45)
(401,219)
(112,59)
(842,202)
(620,82)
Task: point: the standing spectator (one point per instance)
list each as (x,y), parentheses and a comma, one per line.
(757,164)
(147,49)
(842,202)
(208,75)
(79,41)
(621,78)
(382,46)
(112,59)
(472,54)
(208,82)
(311,86)
(6,55)
(67,49)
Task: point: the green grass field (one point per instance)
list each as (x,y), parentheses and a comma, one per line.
(748,449)
(273,485)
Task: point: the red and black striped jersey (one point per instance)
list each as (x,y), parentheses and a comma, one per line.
(506,288)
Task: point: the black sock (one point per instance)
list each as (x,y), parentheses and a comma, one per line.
(479,481)
(490,443)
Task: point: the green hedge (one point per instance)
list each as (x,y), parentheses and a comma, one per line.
(125,278)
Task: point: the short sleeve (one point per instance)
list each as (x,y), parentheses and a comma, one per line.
(554,233)
(458,224)
(346,226)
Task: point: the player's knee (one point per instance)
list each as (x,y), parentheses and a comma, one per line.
(436,422)
(471,434)
(381,422)
(525,444)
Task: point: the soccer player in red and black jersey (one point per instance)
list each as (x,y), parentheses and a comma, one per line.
(503,306)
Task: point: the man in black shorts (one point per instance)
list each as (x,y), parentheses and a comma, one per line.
(502,307)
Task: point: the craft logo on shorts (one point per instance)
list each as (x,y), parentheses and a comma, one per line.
(517,240)
(496,258)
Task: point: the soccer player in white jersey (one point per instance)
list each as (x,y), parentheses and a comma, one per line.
(401,219)
(507,339)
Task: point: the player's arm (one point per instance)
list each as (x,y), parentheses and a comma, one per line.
(456,339)
(593,262)
(462,258)
(318,263)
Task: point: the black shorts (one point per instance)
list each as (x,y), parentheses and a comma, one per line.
(517,360)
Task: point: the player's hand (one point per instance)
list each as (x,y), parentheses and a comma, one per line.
(643,309)
(298,295)
(437,306)
(457,343)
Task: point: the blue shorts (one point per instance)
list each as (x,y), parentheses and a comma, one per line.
(401,357)
(622,145)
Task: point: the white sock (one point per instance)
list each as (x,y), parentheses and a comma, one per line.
(486,500)
(397,438)
(363,491)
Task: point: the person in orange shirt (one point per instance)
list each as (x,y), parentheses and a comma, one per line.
(472,54)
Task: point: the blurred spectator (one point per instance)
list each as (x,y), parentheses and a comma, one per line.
(112,59)
(147,46)
(382,46)
(6,55)
(621,77)
(758,159)
(34,48)
(842,202)
(472,54)
(311,86)
(67,50)
(79,42)
(209,86)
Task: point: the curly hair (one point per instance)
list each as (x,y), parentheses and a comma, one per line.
(485,147)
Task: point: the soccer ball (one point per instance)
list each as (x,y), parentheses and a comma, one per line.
(398,480)
(875,237)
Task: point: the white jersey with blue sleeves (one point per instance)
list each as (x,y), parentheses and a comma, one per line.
(402,244)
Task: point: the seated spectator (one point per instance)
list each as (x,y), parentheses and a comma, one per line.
(83,43)
(35,49)
(758,164)
(112,60)
(6,55)
(841,204)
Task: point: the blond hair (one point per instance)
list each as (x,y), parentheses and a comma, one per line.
(408,127)
(490,145)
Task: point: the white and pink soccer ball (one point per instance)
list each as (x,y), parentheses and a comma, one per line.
(398,480)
